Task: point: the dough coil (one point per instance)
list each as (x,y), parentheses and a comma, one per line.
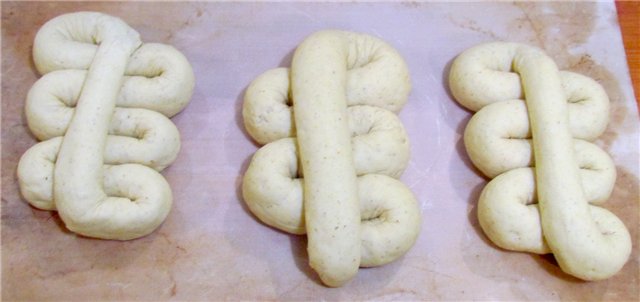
(333,150)
(101,110)
(531,134)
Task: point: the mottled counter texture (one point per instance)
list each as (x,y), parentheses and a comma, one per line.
(211,248)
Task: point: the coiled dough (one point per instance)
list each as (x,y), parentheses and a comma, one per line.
(97,165)
(267,111)
(531,138)
(335,181)
(388,210)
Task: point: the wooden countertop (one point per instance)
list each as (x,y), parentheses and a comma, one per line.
(628,14)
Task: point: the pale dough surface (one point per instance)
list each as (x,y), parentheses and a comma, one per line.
(552,206)
(310,184)
(97,163)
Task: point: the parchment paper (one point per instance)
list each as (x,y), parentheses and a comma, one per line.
(212,248)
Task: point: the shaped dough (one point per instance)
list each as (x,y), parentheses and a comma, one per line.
(310,184)
(550,207)
(95,108)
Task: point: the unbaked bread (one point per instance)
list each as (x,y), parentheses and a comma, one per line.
(336,180)
(102,112)
(530,134)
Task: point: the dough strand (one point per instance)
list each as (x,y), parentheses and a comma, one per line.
(547,179)
(332,213)
(336,180)
(103,141)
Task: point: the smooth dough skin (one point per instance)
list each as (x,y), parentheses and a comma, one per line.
(389,213)
(102,109)
(336,180)
(547,179)
(332,212)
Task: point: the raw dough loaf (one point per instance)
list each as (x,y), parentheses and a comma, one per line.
(530,134)
(336,180)
(102,112)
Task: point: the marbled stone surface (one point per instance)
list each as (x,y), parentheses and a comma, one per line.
(212,248)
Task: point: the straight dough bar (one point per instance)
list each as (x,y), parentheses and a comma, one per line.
(531,134)
(334,150)
(101,110)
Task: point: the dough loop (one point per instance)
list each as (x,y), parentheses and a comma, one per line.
(333,150)
(101,110)
(531,135)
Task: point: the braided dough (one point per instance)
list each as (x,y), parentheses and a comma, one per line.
(349,203)
(531,135)
(102,112)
